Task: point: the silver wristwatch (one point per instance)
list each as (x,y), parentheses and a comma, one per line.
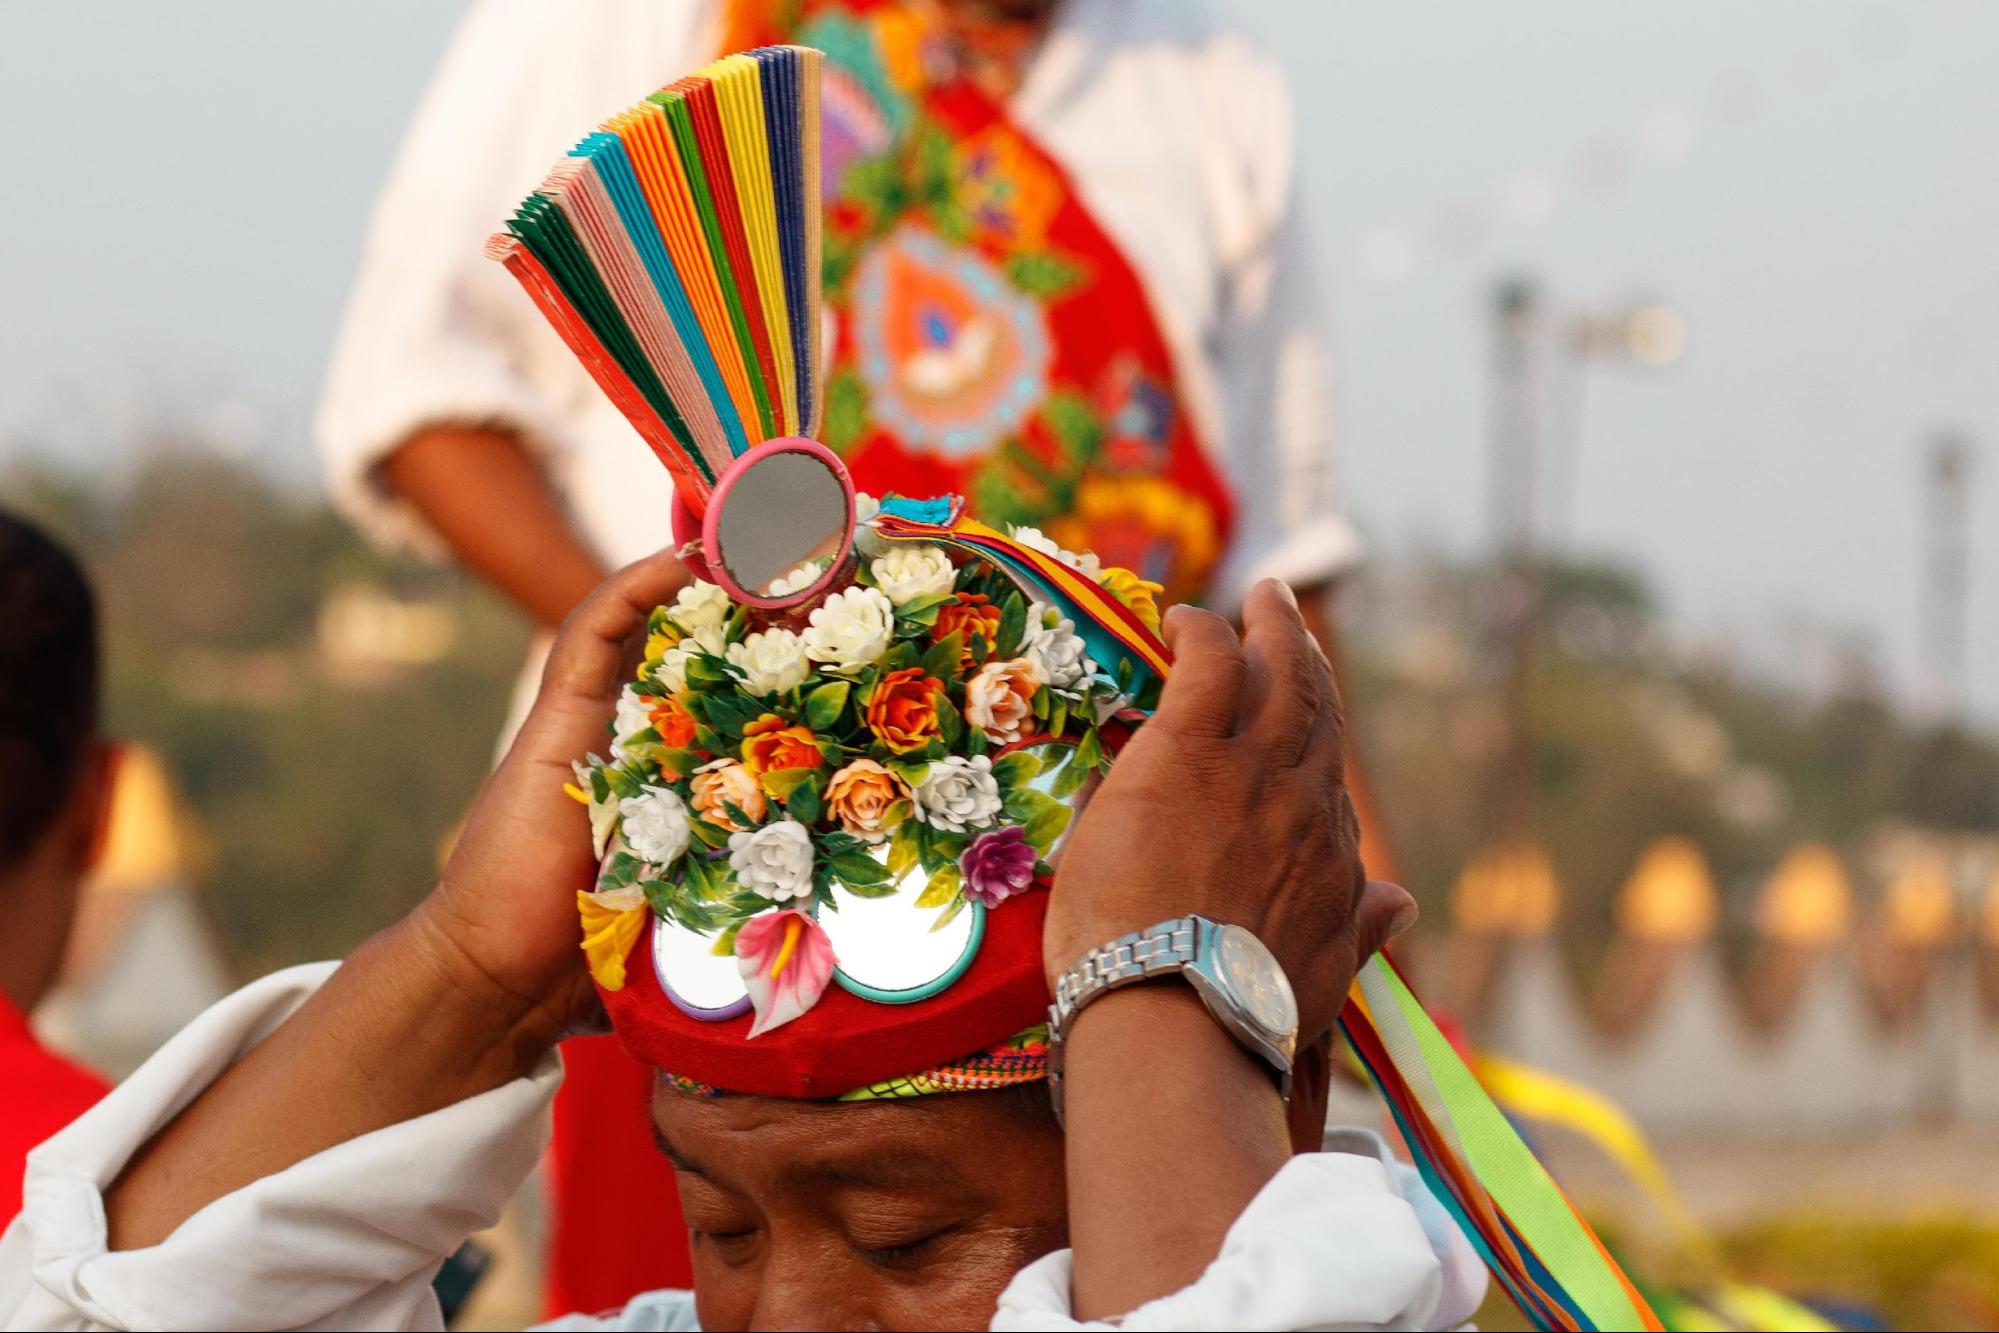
(1239,980)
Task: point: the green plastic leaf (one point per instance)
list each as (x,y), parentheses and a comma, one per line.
(949,914)
(823,705)
(1070,780)
(1016,769)
(950,723)
(902,848)
(859,868)
(945,884)
(941,661)
(710,835)
(803,803)
(782,782)
(1013,624)
(705,672)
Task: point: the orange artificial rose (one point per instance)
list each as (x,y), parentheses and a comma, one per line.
(999,700)
(902,711)
(675,726)
(769,745)
(969,613)
(859,797)
(726,784)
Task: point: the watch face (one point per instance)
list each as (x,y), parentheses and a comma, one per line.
(1256,980)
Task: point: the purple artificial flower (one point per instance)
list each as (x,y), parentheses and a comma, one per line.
(998,865)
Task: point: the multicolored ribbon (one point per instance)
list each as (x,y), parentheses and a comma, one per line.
(1523,1226)
(1112,630)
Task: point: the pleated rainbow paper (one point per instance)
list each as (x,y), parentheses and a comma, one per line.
(677,251)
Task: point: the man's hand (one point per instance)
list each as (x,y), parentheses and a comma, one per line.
(470,990)
(504,914)
(1231,803)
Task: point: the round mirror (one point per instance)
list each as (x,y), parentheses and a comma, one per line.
(701,982)
(779,523)
(893,952)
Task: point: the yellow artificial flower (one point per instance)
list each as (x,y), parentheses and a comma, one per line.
(665,637)
(1138,594)
(612,922)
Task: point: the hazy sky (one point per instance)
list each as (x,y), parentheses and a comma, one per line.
(1811,182)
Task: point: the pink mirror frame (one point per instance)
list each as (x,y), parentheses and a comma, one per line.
(706,527)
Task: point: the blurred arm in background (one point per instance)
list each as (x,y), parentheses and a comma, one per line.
(460,479)
(453,421)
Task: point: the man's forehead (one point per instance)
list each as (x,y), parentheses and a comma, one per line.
(931,1145)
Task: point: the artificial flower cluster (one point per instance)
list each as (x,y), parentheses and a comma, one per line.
(762,761)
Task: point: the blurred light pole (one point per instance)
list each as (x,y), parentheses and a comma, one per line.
(1946,581)
(1535,346)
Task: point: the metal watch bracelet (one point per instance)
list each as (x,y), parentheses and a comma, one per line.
(1168,946)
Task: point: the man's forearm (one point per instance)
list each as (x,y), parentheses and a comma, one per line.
(493,505)
(1172,1129)
(395,1033)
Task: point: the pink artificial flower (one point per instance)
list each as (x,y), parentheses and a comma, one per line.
(998,865)
(786,961)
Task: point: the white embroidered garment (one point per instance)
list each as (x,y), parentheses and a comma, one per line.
(1176,131)
(349,1238)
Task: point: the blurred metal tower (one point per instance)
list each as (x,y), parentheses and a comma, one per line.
(1946,571)
(1512,479)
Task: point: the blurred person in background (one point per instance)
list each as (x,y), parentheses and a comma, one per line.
(55,804)
(1067,275)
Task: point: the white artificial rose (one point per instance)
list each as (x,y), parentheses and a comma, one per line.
(1054,649)
(701,605)
(958,793)
(907,571)
(772,661)
(1035,539)
(655,826)
(866,540)
(798,580)
(852,628)
(672,669)
(775,860)
(634,714)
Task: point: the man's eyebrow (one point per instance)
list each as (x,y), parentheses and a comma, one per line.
(679,1163)
(889,1172)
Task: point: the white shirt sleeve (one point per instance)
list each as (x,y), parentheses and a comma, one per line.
(1272,348)
(351,1237)
(435,333)
(348,1238)
(1334,1240)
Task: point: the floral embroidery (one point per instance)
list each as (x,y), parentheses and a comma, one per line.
(1009,196)
(953,357)
(861,112)
(990,340)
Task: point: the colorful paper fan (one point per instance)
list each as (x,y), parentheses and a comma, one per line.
(677,251)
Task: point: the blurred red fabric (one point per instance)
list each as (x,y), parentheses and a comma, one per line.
(44,1092)
(614,1209)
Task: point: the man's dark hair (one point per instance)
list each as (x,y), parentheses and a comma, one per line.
(48,683)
